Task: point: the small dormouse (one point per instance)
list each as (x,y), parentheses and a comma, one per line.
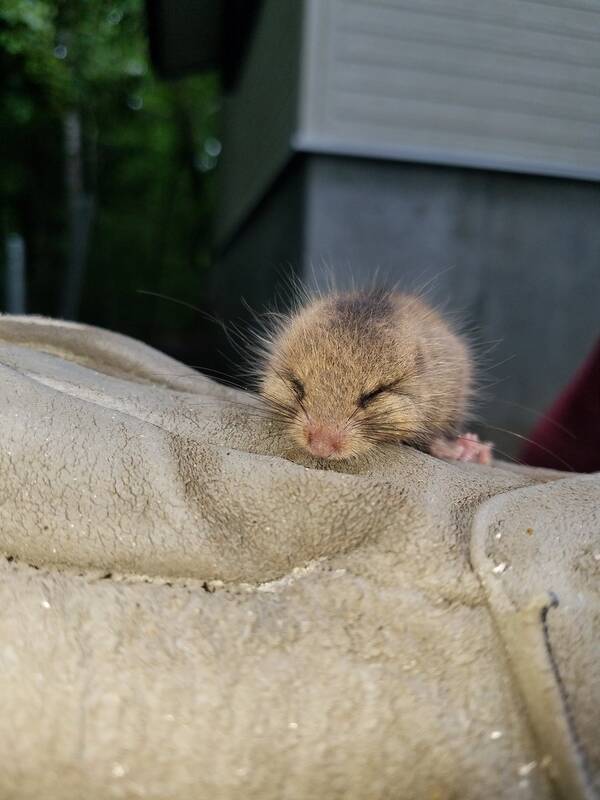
(347,373)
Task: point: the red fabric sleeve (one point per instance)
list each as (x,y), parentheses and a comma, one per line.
(568,436)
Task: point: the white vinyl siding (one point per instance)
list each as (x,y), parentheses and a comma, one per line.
(508,84)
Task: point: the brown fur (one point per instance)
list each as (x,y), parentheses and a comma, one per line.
(328,359)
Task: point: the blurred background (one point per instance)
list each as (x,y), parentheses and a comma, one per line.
(106,171)
(208,150)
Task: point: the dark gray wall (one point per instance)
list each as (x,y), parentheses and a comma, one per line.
(259,117)
(518,257)
(254,268)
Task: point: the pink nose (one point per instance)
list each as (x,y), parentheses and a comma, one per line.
(323,442)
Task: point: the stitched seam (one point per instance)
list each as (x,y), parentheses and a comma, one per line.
(568,711)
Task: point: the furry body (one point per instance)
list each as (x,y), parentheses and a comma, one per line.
(351,371)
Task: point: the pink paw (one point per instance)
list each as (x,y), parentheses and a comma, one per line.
(464,448)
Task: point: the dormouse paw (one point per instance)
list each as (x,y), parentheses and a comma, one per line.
(467,447)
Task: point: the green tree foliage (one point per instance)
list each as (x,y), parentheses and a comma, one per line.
(147,149)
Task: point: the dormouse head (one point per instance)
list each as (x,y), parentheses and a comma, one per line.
(342,378)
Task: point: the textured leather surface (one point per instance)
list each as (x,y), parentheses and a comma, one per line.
(188,614)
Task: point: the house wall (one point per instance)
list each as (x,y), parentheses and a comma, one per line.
(259,118)
(512,85)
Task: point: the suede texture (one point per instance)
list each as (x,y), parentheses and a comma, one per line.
(189,614)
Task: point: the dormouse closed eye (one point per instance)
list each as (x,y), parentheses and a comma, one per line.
(368,397)
(297,386)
